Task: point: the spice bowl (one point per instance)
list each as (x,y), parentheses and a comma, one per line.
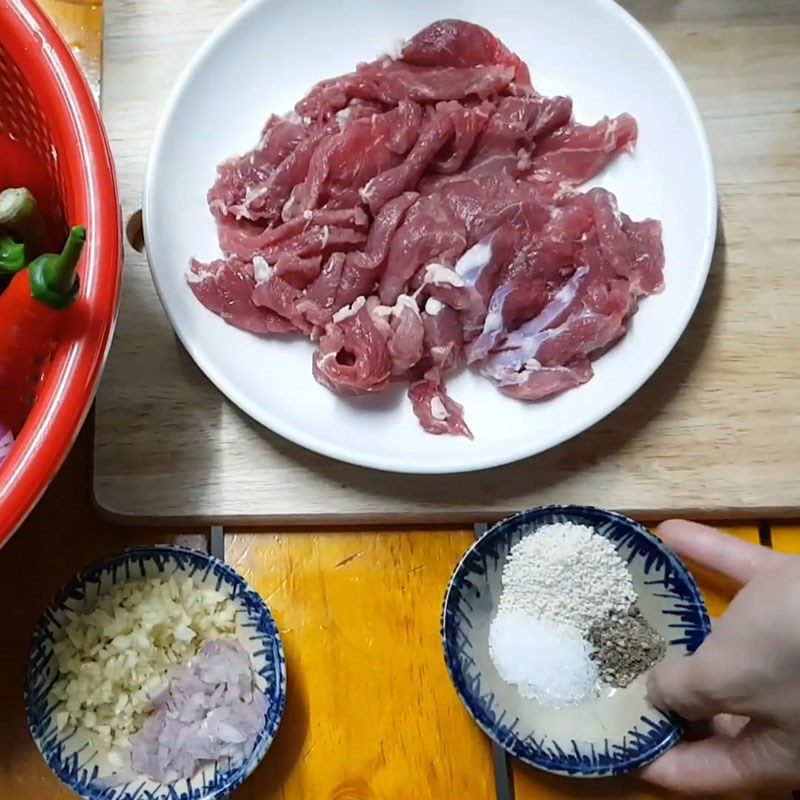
(613,731)
(81,759)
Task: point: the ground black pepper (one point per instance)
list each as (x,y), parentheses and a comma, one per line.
(625,646)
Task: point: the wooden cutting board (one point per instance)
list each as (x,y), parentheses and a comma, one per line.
(715,433)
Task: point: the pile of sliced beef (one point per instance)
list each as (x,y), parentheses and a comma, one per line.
(423,212)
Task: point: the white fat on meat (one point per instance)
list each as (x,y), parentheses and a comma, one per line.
(403,301)
(293,116)
(438,411)
(288,208)
(493,322)
(326,359)
(349,311)
(254,193)
(433,306)
(367,191)
(494,327)
(261,269)
(473,262)
(494,316)
(195,275)
(440,275)
(554,309)
(522,346)
(342,117)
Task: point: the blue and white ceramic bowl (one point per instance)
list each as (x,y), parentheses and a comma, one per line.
(619,731)
(75,758)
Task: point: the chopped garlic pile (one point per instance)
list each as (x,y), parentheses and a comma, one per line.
(115,657)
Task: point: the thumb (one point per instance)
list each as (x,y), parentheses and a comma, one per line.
(687,686)
(710,766)
(757,757)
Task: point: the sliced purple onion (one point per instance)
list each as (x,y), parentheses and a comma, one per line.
(211,710)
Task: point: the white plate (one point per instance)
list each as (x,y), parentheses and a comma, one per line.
(269,54)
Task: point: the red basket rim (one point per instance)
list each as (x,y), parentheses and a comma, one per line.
(91,198)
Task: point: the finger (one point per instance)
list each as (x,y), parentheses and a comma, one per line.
(720,725)
(697,768)
(716,550)
(685,686)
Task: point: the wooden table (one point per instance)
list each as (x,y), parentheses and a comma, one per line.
(371,714)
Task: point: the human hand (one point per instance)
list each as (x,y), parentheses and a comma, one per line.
(743,681)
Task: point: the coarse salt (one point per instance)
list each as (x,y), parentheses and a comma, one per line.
(548,663)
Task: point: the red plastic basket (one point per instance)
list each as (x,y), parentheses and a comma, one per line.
(46,103)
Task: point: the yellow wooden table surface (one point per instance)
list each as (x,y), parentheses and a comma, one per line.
(371,713)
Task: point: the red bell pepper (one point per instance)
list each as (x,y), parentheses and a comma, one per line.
(31,312)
